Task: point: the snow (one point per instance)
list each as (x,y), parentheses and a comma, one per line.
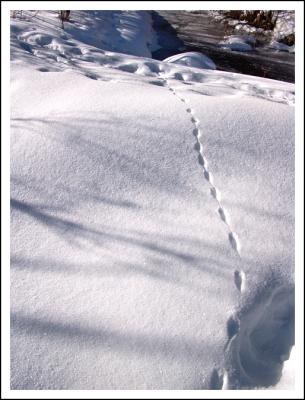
(120,31)
(236,43)
(285,26)
(288,373)
(192,59)
(152,214)
(281,46)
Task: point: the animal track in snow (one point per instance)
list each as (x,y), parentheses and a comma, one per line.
(92,76)
(42,69)
(197,146)
(190,110)
(261,335)
(233,239)
(233,325)
(223,215)
(195,120)
(201,159)
(132,67)
(215,193)
(232,236)
(197,133)
(157,83)
(208,176)
(153,67)
(240,280)
(218,380)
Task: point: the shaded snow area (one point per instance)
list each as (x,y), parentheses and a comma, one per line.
(152,214)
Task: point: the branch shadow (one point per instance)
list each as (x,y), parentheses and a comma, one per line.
(173,347)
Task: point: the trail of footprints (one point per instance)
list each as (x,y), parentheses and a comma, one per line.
(239,275)
(215,193)
(219,378)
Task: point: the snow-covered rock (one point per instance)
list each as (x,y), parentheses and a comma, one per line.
(192,59)
(281,46)
(237,43)
(285,24)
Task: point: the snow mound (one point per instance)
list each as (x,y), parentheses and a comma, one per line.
(192,59)
(128,32)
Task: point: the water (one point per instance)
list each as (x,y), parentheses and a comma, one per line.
(181,31)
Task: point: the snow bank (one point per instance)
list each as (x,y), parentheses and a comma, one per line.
(152,221)
(127,32)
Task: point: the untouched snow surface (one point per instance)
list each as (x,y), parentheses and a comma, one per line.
(152,215)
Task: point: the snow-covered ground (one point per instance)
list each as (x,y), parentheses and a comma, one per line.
(152,214)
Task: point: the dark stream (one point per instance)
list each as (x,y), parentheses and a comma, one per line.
(181,31)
